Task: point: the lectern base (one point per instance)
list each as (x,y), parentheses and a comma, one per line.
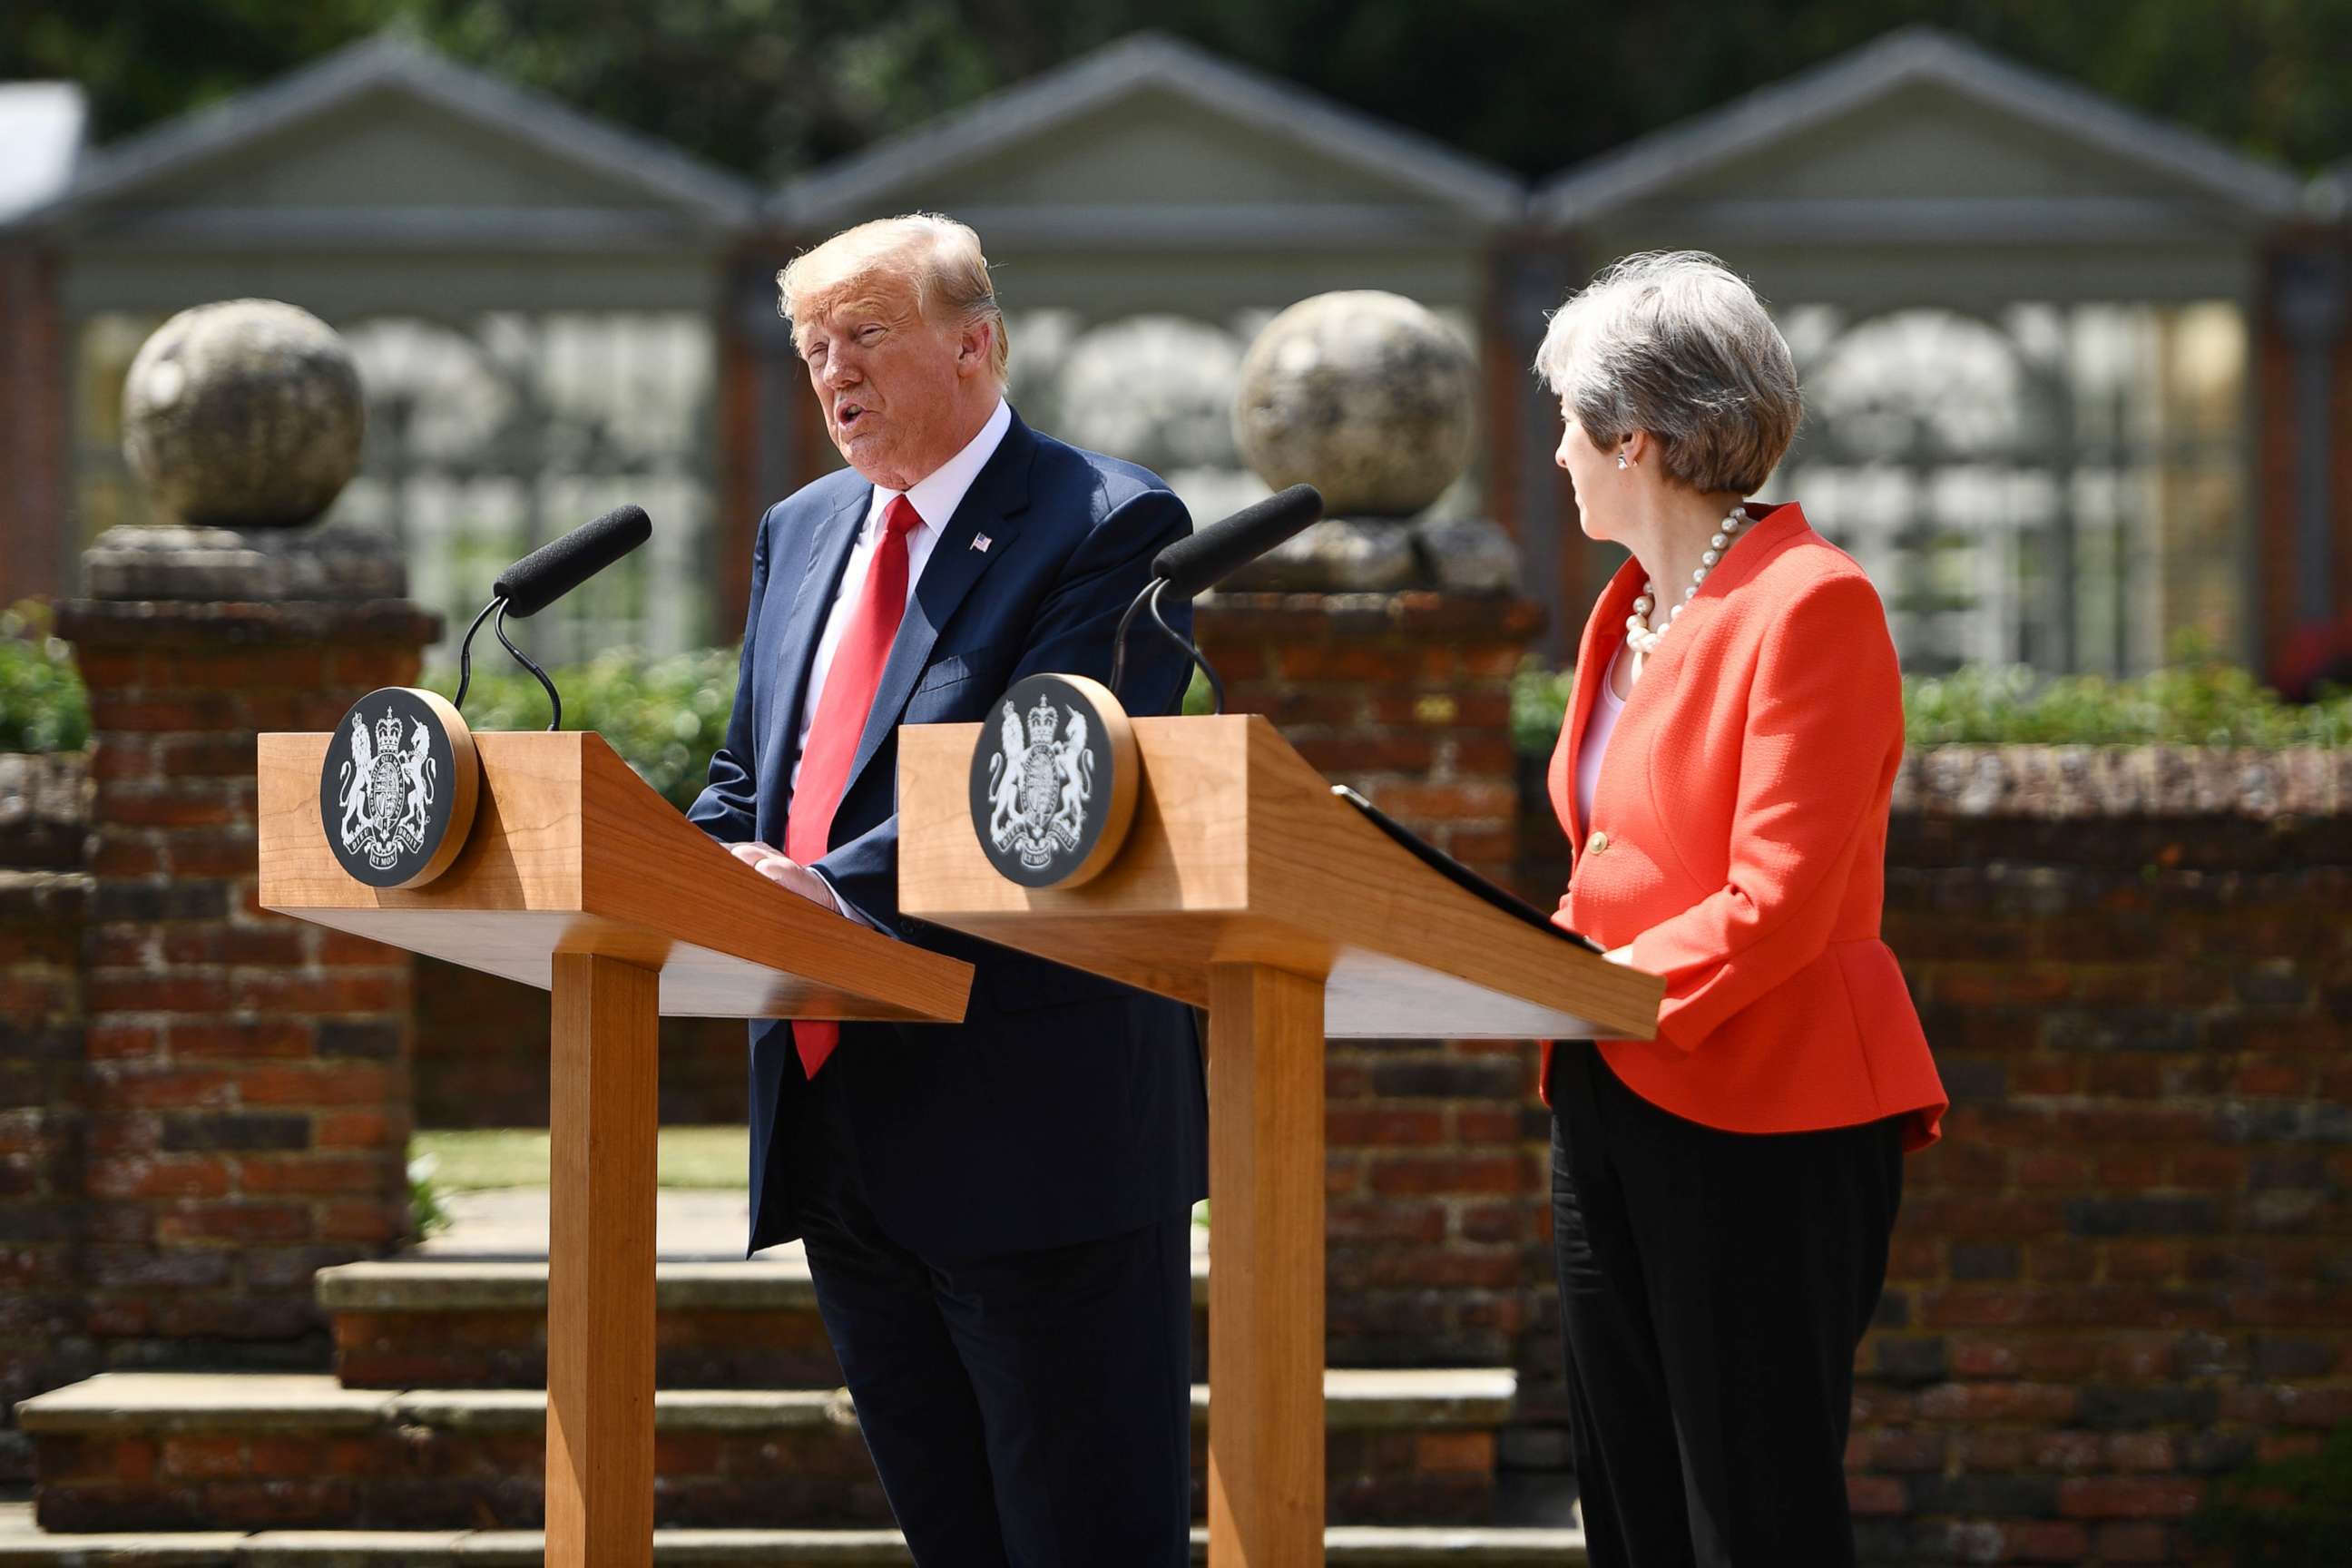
(602,1121)
(1265,1268)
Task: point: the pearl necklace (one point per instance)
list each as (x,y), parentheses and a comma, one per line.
(1638,634)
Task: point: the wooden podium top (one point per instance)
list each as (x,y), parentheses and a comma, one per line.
(571,852)
(1240,854)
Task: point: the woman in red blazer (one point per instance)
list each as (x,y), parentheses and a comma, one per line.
(1723,1195)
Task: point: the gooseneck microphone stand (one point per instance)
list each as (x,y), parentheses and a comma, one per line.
(1150,600)
(466,661)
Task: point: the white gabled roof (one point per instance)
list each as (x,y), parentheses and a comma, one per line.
(391,60)
(869,181)
(1904,60)
(42,127)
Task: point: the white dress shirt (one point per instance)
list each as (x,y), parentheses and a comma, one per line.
(935,499)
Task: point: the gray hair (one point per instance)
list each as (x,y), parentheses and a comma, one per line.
(1676,343)
(937,257)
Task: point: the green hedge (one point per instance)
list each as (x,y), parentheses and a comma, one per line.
(2195,702)
(2293,1513)
(42,705)
(665,715)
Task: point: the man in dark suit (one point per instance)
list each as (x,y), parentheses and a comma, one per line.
(996,1214)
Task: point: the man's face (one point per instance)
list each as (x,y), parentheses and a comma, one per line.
(893,385)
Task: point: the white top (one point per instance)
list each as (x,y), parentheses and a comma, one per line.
(1599,725)
(935,497)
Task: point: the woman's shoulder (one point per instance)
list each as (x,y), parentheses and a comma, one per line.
(1821,612)
(1804,565)
(1807,594)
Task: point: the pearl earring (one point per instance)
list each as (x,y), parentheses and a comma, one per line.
(1622,462)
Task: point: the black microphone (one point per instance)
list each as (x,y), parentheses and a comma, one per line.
(1205,558)
(554,569)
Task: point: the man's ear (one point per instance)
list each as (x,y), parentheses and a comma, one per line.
(974,346)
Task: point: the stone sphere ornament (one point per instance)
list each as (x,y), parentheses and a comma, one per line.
(244,413)
(1366,396)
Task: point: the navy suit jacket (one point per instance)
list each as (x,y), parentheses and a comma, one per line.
(1065,1107)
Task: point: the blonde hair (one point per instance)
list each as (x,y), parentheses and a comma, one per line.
(1676,343)
(937,257)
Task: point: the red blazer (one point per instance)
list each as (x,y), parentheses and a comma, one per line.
(1738,841)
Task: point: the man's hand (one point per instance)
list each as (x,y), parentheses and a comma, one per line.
(785,872)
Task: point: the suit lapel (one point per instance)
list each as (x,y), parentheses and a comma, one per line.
(829,547)
(994,504)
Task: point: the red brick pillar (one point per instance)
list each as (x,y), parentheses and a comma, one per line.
(247,1088)
(44,900)
(1435,1183)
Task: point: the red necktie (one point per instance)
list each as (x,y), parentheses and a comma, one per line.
(841,709)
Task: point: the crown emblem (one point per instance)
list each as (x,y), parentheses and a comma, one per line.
(387,731)
(1041,724)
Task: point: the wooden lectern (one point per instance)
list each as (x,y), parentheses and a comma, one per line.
(578,877)
(1245,886)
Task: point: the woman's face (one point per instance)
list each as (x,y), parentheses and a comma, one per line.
(1592,474)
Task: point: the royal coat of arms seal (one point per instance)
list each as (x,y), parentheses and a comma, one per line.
(396,791)
(1053,781)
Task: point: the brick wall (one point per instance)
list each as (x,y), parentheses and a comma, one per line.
(481,1056)
(2129,1264)
(1405,695)
(44,902)
(246,1094)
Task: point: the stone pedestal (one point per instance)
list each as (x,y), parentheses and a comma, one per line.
(247,1094)
(1406,697)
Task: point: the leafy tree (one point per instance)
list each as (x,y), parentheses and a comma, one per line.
(773,87)
(43,707)
(141,61)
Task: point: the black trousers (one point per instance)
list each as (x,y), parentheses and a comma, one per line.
(1713,1288)
(1028,1411)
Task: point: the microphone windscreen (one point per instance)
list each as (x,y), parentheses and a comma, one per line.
(1203,560)
(554,569)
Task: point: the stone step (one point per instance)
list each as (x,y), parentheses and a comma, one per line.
(261,1450)
(482,1323)
(24,1545)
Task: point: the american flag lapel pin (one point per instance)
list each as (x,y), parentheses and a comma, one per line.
(979,542)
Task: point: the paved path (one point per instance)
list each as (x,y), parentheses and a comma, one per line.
(511,1221)
(688,1223)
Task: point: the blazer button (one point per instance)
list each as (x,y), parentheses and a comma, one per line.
(1597,843)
